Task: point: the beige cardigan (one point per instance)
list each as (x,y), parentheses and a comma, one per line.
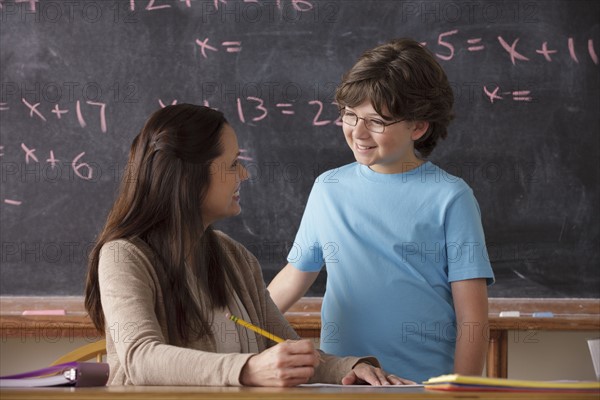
(137,339)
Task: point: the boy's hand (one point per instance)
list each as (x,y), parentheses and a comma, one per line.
(366,373)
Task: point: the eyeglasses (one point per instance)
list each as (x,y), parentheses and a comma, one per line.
(374,125)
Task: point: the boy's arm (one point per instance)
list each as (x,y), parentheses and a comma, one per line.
(471,306)
(289,285)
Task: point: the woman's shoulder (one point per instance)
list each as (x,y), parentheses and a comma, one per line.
(125,250)
(235,250)
(229,243)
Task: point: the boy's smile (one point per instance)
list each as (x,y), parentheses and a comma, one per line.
(389,152)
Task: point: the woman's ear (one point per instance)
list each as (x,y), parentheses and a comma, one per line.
(419,129)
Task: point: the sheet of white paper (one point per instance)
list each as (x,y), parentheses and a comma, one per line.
(359,386)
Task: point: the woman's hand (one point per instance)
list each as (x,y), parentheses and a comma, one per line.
(287,364)
(366,373)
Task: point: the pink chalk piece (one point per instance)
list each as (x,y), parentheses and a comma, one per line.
(45,312)
(13,202)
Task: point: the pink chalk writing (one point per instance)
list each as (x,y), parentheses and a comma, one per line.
(493,95)
(287,105)
(1,152)
(28,154)
(154,5)
(259,107)
(77,167)
(521,95)
(13,202)
(245,158)
(544,50)
(32,4)
(151,6)
(33,109)
(204,45)
(476,41)
(230,46)
(511,50)
(79,115)
(58,111)
(592,52)
(517,95)
(102,113)
(162,105)
(445,40)
(316,121)
(338,120)
(240,110)
(52,160)
(449,46)
(82,169)
(571,46)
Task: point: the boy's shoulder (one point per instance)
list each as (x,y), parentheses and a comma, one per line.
(442,181)
(334,174)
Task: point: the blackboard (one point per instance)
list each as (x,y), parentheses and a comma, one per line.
(79,78)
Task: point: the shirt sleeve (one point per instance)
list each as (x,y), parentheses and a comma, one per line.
(128,295)
(306,253)
(465,241)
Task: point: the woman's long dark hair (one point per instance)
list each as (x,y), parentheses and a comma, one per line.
(159,202)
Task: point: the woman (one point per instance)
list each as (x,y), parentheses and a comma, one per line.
(160,279)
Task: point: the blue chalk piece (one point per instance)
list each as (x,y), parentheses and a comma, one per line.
(545,314)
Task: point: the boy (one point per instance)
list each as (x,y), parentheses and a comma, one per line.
(402,239)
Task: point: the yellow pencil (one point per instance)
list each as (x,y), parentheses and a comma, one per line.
(254,328)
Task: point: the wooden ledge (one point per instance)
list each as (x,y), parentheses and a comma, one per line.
(304,316)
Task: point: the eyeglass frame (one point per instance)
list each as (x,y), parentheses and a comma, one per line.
(365,119)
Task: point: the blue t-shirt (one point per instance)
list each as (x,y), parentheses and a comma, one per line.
(392,243)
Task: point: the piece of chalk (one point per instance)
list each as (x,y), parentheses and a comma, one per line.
(45,312)
(543,314)
(510,314)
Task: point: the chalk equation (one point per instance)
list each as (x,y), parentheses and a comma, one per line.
(230,46)
(34,112)
(475,44)
(154,5)
(510,47)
